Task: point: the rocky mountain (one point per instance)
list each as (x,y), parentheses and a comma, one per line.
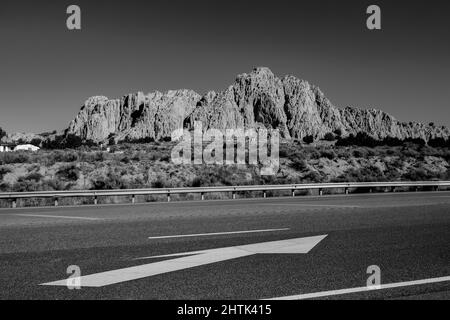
(293,106)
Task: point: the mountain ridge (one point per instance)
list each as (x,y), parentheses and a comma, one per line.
(259,98)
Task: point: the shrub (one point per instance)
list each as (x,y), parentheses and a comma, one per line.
(365,174)
(35,176)
(14,157)
(308,139)
(2,133)
(361,139)
(439,143)
(136,141)
(3,172)
(70,172)
(329,154)
(312,177)
(36,142)
(360,153)
(299,165)
(338,132)
(158,184)
(419,174)
(110,182)
(329,137)
(197,182)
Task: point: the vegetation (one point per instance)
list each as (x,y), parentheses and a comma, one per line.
(148,165)
(2,133)
(329,137)
(308,139)
(364,140)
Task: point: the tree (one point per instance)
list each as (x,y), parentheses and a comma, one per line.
(2,133)
(36,142)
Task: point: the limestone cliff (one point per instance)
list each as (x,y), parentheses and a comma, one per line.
(293,106)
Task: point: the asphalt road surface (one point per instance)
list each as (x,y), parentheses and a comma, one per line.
(311,247)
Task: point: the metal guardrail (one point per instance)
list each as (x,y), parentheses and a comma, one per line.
(95,194)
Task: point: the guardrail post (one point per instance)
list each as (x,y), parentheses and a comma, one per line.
(346,190)
(293,192)
(320,192)
(234,195)
(264,194)
(203,196)
(14,203)
(133,199)
(95,200)
(56,202)
(168,197)
(371,190)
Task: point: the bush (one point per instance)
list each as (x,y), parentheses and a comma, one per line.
(362,139)
(69,141)
(112,181)
(419,174)
(14,157)
(3,172)
(338,132)
(365,174)
(299,165)
(71,173)
(36,142)
(35,176)
(329,137)
(439,143)
(308,139)
(2,133)
(360,153)
(197,182)
(329,154)
(159,184)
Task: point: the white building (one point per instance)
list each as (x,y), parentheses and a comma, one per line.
(26,147)
(6,148)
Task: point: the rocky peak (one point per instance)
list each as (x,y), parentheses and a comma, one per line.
(259,98)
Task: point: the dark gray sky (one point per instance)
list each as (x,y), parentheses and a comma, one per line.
(47,72)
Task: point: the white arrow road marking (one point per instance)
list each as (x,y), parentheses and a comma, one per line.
(198,258)
(216,233)
(363,289)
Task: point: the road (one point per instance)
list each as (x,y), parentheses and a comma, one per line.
(407,235)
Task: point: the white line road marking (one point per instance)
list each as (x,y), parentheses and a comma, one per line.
(58,217)
(363,289)
(217,233)
(309,205)
(290,246)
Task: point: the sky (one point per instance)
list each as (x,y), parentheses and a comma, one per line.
(47,71)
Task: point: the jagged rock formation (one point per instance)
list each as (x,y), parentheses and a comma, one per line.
(135,116)
(293,106)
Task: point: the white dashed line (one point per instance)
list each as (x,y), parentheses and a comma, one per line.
(55,217)
(216,233)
